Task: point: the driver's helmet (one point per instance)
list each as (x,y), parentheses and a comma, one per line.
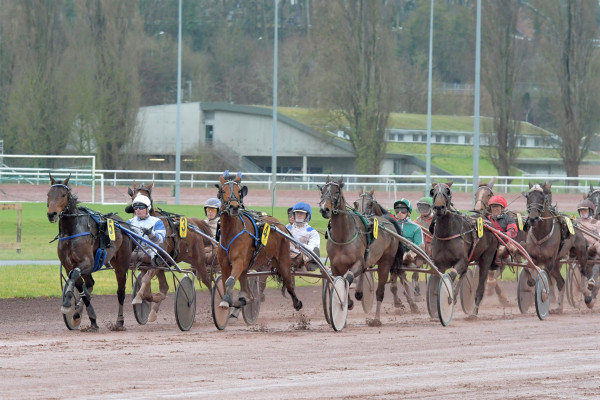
(212,203)
(141,201)
(302,207)
(498,200)
(403,202)
(586,204)
(424,205)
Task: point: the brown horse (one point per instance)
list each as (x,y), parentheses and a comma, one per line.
(189,249)
(455,242)
(84,247)
(594,196)
(240,247)
(367,205)
(351,247)
(548,240)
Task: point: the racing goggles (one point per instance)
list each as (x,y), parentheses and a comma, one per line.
(139,206)
(401,209)
(423,208)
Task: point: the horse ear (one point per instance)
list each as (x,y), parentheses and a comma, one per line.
(356,205)
(341,182)
(150,187)
(591,188)
(238,177)
(492,181)
(319,188)
(584,195)
(135,185)
(328,179)
(524,193)
(130,191)
(217,185)
(372,191)
(52,181)
(530,185)
(66,182)
(360,190)
(222,180)
(450,183)
(244,191)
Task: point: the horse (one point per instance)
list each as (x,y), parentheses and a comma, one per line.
(483,194)
(455,242)
(189,249)
(594,196)
(351,247)
(549,240)
(240,247)
(84,247)
(367,205)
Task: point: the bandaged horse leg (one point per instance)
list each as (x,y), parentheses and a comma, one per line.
(353,271)
(157,298)
(86,297)
(74,275)
(491,282)
(227,300)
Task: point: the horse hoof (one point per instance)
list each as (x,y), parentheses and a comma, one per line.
(76,321)
(414,309)
(152,316)
(350,304)
(298,306)
(358,296)
(591,284)
(65,310)
(373,322)
(452,274)
(399,304)
(224,305)
(136,300)
(589,301)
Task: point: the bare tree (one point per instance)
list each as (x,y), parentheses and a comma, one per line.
(359,49)
(503,56)
(568,29)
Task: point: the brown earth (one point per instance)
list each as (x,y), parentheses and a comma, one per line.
(296,355)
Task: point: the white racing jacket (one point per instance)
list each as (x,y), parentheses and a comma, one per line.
(151,222)
(306,235)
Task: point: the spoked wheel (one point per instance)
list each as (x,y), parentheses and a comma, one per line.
(252,308)
(140,311)
(542,295)
(468,289)
(339,303)
(433,284)
(524,292)
(445,300)
(76,308)
(220,315)
(574,280)
(185,303)
(325,298)
(366,281)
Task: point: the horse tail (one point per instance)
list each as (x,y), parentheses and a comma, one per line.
(398,258)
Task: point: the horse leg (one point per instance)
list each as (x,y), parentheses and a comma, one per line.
(560,286)
(590,290)
(354,270)
(408,294)
(86,297)
(384,271)
(501,297)
(121,275)
(394,289)
(157,298)
(144,289)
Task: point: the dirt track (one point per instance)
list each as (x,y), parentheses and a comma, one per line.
(296,355)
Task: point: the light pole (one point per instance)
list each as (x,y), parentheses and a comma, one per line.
(274,150)
(476,111)
(428,162)
(178,135)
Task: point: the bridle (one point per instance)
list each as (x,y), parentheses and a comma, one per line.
(447,196)
(69,199)
(369,198)
(226,204)
(326,193)
(538,206)
(478,200)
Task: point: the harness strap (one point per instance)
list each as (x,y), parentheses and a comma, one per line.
(545,238)
(71,237)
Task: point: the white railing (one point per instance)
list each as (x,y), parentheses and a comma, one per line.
(391,184)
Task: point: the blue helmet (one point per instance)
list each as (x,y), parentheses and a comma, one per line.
(302,207)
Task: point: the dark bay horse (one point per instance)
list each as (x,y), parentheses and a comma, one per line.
(367,205)
(240,246)
(455,242)
(594,196)
(548,239)
(189,249)
(351,246)
(84,247)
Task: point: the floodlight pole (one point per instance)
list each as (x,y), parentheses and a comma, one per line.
(274,149)
(428,162)
(476,111)
(178,135)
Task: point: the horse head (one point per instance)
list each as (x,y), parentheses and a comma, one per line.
(332,199)
(594,197)
(366,203)
(59,197)
(538,200)
(483,194)
(442,197)
(136,189)
(231,193)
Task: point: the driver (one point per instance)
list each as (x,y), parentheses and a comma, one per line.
(505,223)
(586,212)
(149,227)
(305,234)
(212,209)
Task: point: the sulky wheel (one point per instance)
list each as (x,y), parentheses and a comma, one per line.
(252,308)
(542,295)
(574,281)
(76,309)
(140,311)
(445,300)
(366,281)
(220,315)
(338,300)
(185,303)
(433,284)
(325,298)
(468,289)
(524,291)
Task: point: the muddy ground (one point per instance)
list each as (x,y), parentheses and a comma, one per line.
(295,355)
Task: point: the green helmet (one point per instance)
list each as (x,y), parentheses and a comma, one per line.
(426,200)
(405,202)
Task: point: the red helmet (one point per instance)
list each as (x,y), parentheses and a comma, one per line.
(499,200)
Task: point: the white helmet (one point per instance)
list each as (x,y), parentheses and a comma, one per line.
(140,199)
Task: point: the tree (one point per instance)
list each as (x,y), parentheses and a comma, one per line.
(567,33)
(360,48)
(503,56)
